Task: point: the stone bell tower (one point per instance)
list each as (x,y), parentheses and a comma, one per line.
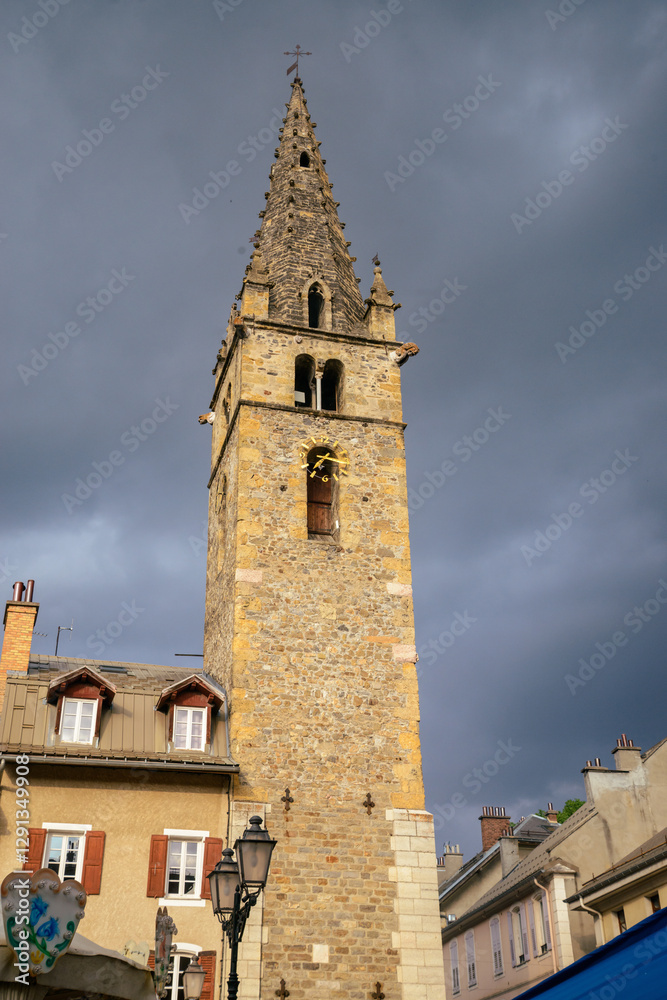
(309,621)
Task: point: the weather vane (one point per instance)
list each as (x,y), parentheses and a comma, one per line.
(295,65)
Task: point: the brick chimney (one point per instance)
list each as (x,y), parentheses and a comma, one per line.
(627,755)
(495,824)
(19,621)
(552,814)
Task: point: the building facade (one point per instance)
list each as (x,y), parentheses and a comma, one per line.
(309,622)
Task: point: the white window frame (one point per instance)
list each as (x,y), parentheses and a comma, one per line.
(79,702)
(188,736)
(456,974)
(192,899)
(540,916)
(496,946)
(471,963)
(520,936)
(182,955)
(66,830)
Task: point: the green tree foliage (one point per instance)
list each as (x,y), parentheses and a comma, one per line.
(570,807)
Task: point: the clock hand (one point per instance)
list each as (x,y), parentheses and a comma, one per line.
(322,458)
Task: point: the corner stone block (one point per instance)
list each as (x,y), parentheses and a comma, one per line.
(248,575)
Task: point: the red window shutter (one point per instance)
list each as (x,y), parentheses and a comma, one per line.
(151,960)
(91,877)
(157,865)
(207,962)
(212,854)
(36,843)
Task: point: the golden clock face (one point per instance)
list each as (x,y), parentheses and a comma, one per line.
(324,458)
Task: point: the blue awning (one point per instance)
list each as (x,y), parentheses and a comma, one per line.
(632,966)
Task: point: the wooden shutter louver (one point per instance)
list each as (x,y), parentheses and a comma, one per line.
(91,875)
(212,854)
(207,962)
(157,865)
(36,843)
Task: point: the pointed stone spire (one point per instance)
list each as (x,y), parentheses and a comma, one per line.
(301,238)
(380,315)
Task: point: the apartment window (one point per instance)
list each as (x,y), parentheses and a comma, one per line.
(519,935)
(189,728)
(542,940)
(496,947)
(71,851)
(620,917)
(78,717)
(179,963)
(64,855)
(470,958)
(454,959)
(184,867)
(179,862)
(654,903)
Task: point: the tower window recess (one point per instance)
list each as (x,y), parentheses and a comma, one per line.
(322,495)
(304,160)
(304,381)
(315,306)
(332,386)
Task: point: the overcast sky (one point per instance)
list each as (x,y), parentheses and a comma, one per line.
(507,162)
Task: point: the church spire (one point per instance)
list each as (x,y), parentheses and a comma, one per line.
(304,257)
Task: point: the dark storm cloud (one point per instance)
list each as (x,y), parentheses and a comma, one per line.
(402,105)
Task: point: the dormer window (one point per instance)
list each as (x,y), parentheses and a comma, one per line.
(189,728)
(304,160)
(78,720)
(189,705)
(80,697)
(315,306)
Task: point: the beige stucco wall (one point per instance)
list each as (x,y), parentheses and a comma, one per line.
(129,805)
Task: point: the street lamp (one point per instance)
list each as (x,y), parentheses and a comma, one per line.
(235,888)
(193,980)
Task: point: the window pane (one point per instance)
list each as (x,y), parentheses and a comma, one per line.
(69,868)
(55,853)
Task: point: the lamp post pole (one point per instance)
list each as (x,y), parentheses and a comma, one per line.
(236,887)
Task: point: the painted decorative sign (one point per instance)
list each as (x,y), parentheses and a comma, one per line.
(164,932)
(41,915)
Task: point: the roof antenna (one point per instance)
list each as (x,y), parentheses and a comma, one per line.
(190,654)
(63,628)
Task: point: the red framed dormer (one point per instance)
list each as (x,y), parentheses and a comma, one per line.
(190,705)
(80,697)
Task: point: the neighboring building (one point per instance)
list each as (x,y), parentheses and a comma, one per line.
(129,780)
(541,914)
(309,628)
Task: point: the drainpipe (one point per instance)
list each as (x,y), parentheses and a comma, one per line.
(597,916)
(551,924)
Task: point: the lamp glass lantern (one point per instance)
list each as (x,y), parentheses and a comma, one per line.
(254,850)
(193,980)
(224,880)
